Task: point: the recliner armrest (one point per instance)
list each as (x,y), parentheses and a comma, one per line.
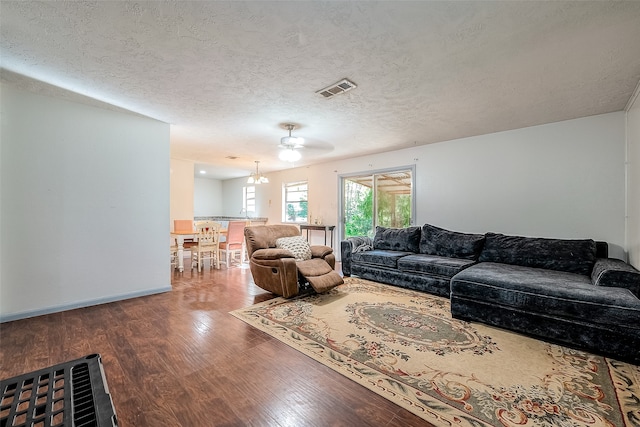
(320,251)
(272,253)
(616,273)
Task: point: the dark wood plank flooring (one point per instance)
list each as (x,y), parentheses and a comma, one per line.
(180,359)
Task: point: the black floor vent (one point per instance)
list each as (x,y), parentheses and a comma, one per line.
(71,394)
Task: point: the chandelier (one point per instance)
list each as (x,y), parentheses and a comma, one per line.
(257,178)
(289,145)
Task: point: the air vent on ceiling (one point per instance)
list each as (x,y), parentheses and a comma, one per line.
(342,86)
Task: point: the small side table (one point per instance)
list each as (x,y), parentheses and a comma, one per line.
(325,228)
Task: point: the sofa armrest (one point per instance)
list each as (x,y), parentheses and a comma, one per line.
(350,246)
(616,273)
(345,257)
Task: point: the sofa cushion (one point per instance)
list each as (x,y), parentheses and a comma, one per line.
(397,239)
(445,243)
(433,264)
(548,292)
(379,257)
(573,256)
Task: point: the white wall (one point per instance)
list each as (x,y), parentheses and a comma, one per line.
(558,180)
(633,183)
(181,190)
(207,197)
(563,180)
(85,205)
(232,190)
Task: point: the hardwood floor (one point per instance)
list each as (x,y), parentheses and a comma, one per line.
(179,359)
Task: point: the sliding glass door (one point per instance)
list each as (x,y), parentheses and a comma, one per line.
(382,198)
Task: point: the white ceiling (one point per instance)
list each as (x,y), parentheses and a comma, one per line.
(227,75)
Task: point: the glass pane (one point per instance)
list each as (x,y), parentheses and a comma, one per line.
(384,199)
(393,199)
(296,212)
(249,199)
(297,187)
(296,196)
(358,206)
(295,203)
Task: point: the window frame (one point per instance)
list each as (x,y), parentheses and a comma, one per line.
(287,188)
(373,173)
(246,205)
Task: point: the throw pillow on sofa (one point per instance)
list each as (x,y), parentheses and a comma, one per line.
(450,244)
(297,245)
(573,256)
(397,239)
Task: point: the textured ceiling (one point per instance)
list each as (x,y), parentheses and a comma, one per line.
(227,75)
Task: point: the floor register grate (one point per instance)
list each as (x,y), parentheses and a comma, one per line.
(71,394)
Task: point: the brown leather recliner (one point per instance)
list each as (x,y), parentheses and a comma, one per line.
(277,271)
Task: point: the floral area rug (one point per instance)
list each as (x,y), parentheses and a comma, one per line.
(405,346)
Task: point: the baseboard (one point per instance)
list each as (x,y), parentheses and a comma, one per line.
(81,304)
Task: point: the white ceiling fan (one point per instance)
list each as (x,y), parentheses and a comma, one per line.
(289,145)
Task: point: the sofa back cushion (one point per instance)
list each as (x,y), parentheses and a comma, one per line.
(450,244)
(397,239)
(573,256)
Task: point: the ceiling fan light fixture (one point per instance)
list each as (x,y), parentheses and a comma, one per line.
(291,141)
(257,178)
(289,144)
(289,155)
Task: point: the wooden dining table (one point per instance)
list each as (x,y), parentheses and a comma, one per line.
(180,236)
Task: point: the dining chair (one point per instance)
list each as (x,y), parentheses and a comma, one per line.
(173,250)
(208,223)
(234,244)
(207,246)
(184,225)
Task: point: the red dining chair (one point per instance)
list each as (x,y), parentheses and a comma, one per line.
(234,245)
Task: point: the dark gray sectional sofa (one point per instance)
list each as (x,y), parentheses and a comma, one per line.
(563,291)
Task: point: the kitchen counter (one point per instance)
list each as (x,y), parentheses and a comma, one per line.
(254,220)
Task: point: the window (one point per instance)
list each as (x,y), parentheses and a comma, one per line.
(295,202)
(383,198)
(249,199)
